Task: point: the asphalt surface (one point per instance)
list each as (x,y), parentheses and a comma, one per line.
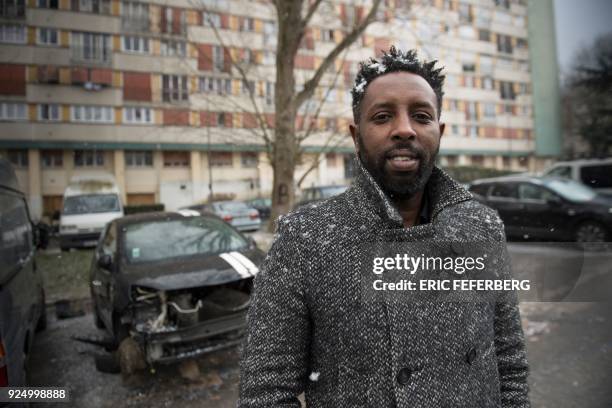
(569,345)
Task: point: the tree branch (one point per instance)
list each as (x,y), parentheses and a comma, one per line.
(312,83)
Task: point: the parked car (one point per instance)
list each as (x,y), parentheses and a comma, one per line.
(238,214)
(314,194)
(177,284)
(90,201)
(262,205)
(22,296)
(595,173)
(547,208)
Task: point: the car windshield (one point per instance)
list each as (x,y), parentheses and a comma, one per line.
(571,190)
(179,238)
(332,191)
(91,203)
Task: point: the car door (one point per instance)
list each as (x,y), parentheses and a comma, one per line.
(20,286)
(503,197)
(103,278)
(544,210)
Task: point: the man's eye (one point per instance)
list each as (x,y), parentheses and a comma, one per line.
(381,117)
(422,117)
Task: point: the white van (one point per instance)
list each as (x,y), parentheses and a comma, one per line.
(595,173)
(90,201)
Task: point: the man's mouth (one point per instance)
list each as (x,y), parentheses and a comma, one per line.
(403,160)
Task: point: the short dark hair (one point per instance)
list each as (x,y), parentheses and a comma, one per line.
(396,61)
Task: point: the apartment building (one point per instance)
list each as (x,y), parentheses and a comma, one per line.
(152,91)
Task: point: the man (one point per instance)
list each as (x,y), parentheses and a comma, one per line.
(311,326)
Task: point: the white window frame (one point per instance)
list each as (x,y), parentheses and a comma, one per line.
(137,115)
(99,44)
(218,58)
(138,158)
(135,16)
(53,112)
(173,48)
(13,33)
(135,45)
(44,35)
(97,158)
(13,111)
(211,19)
(180,79)
(92,114)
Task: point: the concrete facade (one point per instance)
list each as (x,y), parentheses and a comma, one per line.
(146,91)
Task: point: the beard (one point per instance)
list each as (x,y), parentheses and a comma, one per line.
(398,185)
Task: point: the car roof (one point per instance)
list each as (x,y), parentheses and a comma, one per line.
(607,160)
(160,215)
(516,179)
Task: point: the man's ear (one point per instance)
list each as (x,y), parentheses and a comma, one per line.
(442,128)
(354,134)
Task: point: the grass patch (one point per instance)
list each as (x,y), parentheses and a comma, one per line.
(65,274)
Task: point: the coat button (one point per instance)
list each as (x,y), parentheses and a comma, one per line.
(457,248)
(471,356)
(403,376)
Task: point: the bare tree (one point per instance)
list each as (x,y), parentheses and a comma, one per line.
(293,17)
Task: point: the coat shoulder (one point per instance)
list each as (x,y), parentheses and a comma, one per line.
(474,219)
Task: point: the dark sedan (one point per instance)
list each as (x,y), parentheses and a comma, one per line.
(547,208)
(175,284)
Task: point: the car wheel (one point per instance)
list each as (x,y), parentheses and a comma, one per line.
(131,357)
(591,235)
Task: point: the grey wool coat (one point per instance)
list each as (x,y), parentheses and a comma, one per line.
(310,331)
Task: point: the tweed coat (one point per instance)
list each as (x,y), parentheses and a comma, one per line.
(310,331)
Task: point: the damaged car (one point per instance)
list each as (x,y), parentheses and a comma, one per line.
(175,285)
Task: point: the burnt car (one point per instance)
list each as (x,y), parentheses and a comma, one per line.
(177,284)
(547,208)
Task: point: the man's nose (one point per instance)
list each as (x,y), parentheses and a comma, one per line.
(403,128)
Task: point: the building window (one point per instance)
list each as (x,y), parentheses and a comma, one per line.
(173,48)
(269,93)
(489,110)
(270,33)
(247,87)
(221,119)
(12,8)
(221,159)
(484,35)
(48,112)
(502,3)
(471,112)
(175,20)
(248,24)
(327,35)
(139,158)
(18,157)
(51,4)
(506,90)
(174,88)
(269,58)
(211,19)
(218,58)
(504,43)
(487,83)
(47,36)
(12,33)
(137,115)
(220,86)
(176,159)
(249,160)
(52,158)
(139,45)
(90,47)
(91,6)
(13,111)
(134,16)
(92,114)
(88,158)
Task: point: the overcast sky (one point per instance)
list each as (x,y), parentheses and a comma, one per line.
(578,23)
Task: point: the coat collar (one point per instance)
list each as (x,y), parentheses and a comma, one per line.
(366,193)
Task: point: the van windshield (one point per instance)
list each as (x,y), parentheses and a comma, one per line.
(91,203)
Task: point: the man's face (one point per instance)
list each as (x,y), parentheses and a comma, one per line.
(398,135)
